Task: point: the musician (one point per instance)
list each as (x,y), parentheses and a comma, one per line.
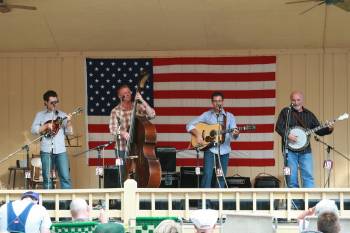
(120,118)
(214,116)
(299,116)
(52,148)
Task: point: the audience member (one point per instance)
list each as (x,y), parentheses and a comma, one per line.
(324,206)
(204,220)
(328,222)
(168,226)
(81,211)
(25,215)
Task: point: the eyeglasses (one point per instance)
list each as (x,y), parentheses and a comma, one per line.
(54,102)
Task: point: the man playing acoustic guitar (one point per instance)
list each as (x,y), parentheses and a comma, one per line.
(52,146)
(216,115)
(299,156)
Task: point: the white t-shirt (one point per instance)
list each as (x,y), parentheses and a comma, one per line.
(38,217)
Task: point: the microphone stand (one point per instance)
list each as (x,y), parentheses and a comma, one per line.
(119,161)
(218,171)
(197,170)
(99,169)
(27,174)
(286,169)
(328,163)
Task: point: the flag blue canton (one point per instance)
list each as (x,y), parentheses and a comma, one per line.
(104,76)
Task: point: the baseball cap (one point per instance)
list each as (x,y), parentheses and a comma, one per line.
(32,195)
(204,219)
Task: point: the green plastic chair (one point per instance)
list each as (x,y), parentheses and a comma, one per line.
(148,224)
(73,227)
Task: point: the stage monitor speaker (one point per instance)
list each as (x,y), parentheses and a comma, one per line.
(188,177)
(111,178)
(167,158)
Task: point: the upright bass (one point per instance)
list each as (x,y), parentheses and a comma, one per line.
(141,161)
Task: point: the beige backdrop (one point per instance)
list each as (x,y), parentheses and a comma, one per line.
(322,75)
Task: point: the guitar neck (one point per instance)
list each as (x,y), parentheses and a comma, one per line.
(240,128)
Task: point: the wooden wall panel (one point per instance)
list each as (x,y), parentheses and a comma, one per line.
(25,77)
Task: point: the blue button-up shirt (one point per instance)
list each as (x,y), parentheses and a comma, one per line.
(56,143)
(210,117)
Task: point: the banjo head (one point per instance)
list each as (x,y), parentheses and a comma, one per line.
(302,139)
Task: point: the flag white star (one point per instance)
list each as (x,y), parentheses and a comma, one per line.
(102,86)
(90,62)
(113,63)
(91,86)
(101,63)
(107,80)
(96,68)
(91,74)
(102,74)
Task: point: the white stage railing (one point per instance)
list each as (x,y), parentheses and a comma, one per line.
(131,201)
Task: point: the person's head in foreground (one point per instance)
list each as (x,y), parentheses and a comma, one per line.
(79,210)
(168,226)
(328,222)
(204,220)
(32,195)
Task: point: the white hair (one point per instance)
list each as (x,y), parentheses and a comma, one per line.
(77,206)
(167,226)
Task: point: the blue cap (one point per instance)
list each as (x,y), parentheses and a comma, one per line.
(32,195)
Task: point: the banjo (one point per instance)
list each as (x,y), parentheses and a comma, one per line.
(303,135)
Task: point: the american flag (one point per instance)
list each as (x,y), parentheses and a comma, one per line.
(180,90)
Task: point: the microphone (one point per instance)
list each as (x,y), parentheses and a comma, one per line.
(122,98)
(291,105)
(104,145)
(220,107)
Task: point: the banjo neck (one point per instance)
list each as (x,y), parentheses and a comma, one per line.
(310,131)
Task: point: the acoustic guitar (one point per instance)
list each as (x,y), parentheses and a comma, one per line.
(213,133)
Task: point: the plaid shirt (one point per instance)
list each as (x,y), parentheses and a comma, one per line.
(123,117)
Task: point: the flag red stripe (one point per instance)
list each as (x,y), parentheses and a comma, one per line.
(205,94)
(237,111)
(214,77)
(181,128)
(183,145)
(193,162)
(98,128)
(215,60)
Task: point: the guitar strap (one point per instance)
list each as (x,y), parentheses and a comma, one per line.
(299,120)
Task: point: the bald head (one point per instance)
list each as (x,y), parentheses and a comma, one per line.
(297,99)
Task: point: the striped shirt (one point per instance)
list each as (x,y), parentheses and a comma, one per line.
(307,117)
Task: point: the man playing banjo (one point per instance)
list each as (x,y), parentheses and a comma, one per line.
(299,149)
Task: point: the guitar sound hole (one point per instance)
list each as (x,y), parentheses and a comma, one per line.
(212,133)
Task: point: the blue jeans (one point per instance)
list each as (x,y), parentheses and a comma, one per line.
(209,161)
(61,164)
(304,162)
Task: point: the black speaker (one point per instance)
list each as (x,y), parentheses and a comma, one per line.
(111,178)
(167,158)
(188,177)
